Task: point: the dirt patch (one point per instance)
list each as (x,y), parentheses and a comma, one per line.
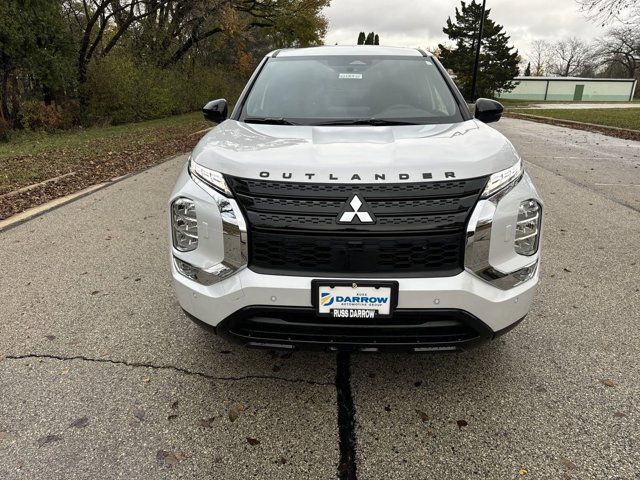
(96,170)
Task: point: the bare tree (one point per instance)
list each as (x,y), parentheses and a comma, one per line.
(540,57)
(95,20)
(621,47)
(571,56)
(608,11)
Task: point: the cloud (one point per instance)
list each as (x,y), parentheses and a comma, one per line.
(419,23)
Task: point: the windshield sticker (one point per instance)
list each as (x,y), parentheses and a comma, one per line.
(350,76)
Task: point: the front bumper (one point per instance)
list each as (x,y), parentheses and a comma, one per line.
(432,314)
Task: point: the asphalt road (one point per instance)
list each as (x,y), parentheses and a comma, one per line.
(102,376)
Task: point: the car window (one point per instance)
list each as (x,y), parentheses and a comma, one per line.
(312,90)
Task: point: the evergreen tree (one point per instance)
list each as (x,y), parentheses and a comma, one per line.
(361,38)
(527,71)
(370,38)
(498,63)
(376,40)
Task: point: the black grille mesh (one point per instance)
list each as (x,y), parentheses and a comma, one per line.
(419,228)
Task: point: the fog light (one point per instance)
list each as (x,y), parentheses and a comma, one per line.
(184,225)
(528,227)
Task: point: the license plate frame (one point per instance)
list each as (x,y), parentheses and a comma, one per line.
(316,285)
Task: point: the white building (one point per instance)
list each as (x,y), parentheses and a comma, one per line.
(572,89)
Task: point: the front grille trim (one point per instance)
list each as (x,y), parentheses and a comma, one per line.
(292,227)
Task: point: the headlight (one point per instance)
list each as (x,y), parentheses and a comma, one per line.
(212,178)
(500,180)
(528,227)
(184,224)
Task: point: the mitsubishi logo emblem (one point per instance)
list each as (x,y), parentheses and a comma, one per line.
(355,208)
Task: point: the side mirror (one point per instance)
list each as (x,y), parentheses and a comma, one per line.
(215,111)
(488,111)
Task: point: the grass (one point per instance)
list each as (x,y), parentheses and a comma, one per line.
(32,157)
(609,117)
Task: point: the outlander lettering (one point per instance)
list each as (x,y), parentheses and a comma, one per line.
(352,202)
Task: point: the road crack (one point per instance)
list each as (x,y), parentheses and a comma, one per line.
(346,419)
(182,370)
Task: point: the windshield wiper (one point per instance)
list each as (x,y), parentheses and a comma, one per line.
(269,120)
(367,121)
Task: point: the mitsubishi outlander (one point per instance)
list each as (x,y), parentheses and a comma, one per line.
(352,202)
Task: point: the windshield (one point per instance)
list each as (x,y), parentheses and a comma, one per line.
(336,90)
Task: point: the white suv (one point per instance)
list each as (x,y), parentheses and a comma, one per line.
(352,202)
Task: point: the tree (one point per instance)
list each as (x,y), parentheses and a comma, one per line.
(376,40)
(620,51)
(361,38)
(370,39)
(498,61)
(540,56)
(527,71)
(607,11)
(36,53)
(571,57)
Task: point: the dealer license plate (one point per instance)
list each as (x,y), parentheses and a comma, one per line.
(354,300)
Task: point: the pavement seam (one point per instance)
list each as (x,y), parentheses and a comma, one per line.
(164,367)
(346,418)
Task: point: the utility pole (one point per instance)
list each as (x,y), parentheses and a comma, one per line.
(476,62)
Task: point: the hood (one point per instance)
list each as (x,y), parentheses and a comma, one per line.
(355,154)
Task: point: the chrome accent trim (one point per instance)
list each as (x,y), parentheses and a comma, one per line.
(203,277)
(234,230)
(478,243)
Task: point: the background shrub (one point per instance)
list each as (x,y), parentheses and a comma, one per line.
(120,91)
(35,115)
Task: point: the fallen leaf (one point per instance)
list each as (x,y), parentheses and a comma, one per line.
(169,459)
(173,416)
(206,422)
(146,379)
(522,472)
(568,464)
(462,423)
(80,422)
(566,270)
(48,439)
(65,372)
(417,384)
(423,416)
(608,383)
(430,431)
(282,461)
(50,337)
(95,292)
(387,408)
(139,414)
(235,411)
(252,441)
(619,414)
(174,405)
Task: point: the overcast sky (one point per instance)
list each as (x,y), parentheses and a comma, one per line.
(418,23)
